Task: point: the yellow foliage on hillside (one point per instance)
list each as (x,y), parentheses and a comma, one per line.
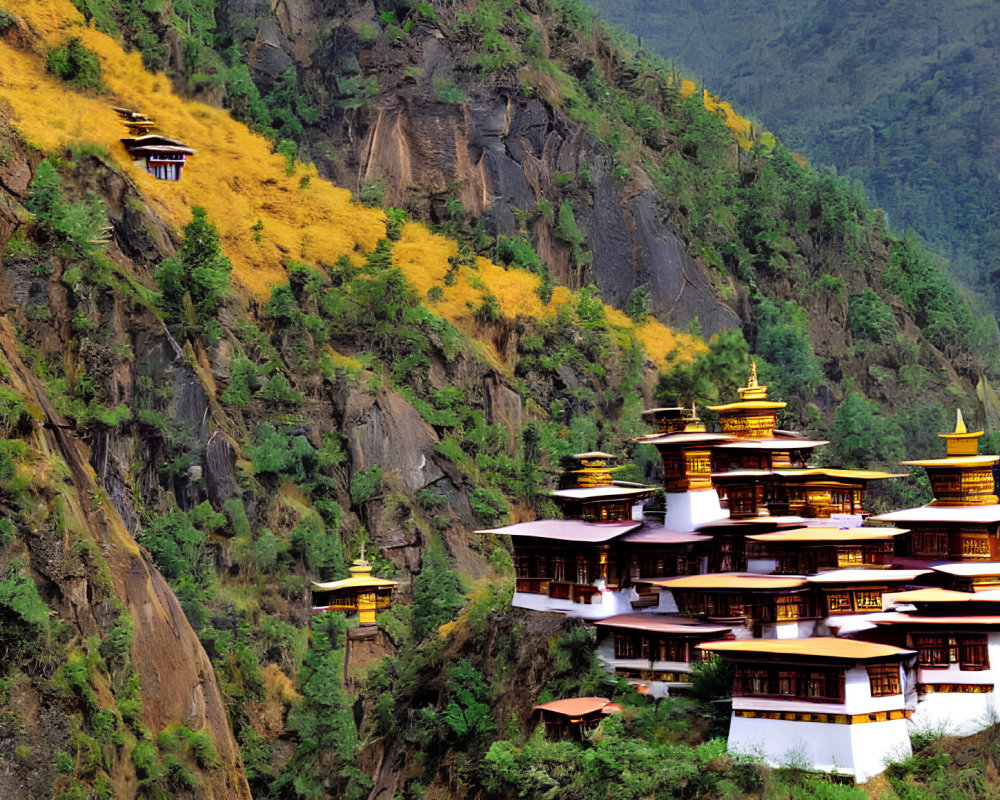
(238,180)
(233,175)
(741,127)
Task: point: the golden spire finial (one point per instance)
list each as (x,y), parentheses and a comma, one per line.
(961,442)
(753,390)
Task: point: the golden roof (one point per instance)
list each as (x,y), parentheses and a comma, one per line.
(832,535)
(748,405)
(954,461)
(856,474)
(729,581)
(934,595)
(817,646)
(961,442)
(361,577)
(753,396)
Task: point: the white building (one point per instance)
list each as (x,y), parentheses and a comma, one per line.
(957,639)
(838,705)
(654,651)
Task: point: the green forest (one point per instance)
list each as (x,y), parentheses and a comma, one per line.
(177,452)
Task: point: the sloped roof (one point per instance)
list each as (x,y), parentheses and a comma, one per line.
(602,492)
(832,535)
(575,707)
(662,623)
(972,514)
(730,581)
(954,461)
(816,646)
(854,575)
(568,530)
(354,582)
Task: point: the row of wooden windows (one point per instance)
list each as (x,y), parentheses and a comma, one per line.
(937,544)
(968,650)
(856,600)
(604,512)
(634,645)
(819,686)
(582,568)
(764,608)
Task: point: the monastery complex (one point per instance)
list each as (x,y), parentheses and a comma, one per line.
(845,633)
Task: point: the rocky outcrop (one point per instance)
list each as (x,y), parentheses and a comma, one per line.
(177,679)
(499,153)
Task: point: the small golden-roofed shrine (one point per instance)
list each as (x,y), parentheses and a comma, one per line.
(361,593)
(961,522)
(753,416)
(587,470)
(684,447)
(161,156)
(589,492)
(963,478)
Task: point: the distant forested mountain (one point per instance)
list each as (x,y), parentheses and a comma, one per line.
(902,95)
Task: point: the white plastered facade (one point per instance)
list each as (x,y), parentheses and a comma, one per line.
(687,510)
(607,603)
(959,713)
(860,749)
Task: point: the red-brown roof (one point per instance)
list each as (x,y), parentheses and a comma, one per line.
(575,707)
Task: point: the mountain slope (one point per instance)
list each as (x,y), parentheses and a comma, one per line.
(899,95)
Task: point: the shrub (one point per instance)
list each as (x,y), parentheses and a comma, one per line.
(869,317)
(242,380)
(437,591)
(74,63)
(198,275)
(637,306)
(366,484)
(489,503)
(373,192)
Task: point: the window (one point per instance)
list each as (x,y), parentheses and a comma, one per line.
(558,568)
(883,679)
(838,602)
(930,543)
(582,569)
(931,651)
(522,568)
(791,606)
(975,545)
(848,556)
(541,565)
(972,653)
(644,647)
(625,646)
(868,600)
(967,650)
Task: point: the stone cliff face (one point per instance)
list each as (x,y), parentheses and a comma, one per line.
(497,151)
